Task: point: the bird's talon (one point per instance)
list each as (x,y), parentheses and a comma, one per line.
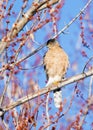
(56,83)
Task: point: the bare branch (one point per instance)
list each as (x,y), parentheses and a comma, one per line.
(23,59)
(87,63)
(90,87)
(73,20)
(43,45)
(3,45)
(48,89)
(47,110)
(4,91)
(85,111)
(18,25)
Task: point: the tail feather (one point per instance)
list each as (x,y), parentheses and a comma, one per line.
(58,98)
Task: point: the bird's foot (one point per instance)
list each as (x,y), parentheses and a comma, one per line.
(56,83)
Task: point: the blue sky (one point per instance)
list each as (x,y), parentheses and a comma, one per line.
(72,44)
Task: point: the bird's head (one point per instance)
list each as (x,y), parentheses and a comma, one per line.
(51,42)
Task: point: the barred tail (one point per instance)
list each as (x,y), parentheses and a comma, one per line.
(58,98)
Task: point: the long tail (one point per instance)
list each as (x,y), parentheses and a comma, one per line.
(58,98)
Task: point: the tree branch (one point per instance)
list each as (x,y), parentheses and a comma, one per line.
(2,44)
(43,45)
(18,25)
(48,89)
(73,20)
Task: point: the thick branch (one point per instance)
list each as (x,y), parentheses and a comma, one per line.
(43,45)
(48,89)
(18,26)
(4,44)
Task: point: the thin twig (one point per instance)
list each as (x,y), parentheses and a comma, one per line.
(4,91)
(68,108)
(87,63)
(73,20)
(86,109)
(31,54)
(90,86)
(47,112)
(17,27)
(43,45)
(21,11)
(6,125)
(33,67)
(48,89)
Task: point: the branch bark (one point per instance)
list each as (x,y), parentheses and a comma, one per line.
(4,44)
(48,89)
(61,31)
(19,25)
(74,19)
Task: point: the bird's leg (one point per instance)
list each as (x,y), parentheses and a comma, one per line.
(50,81)
(53,81)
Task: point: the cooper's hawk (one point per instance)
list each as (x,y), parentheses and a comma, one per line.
(55,64)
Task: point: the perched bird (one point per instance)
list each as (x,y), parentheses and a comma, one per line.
(55,64)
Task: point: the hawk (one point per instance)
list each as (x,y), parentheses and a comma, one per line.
(55,64)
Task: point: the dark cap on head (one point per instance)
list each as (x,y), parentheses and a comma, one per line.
(51,41)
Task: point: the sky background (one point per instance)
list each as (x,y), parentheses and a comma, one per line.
(72,44)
